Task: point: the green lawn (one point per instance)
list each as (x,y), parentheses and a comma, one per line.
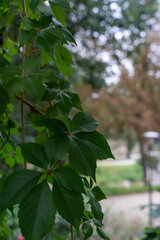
(111,179)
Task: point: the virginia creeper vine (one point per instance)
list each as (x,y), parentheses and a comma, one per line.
(61,137)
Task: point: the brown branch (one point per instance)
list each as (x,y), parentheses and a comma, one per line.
(32,107)
(71,229)
(54,166)
(22,91)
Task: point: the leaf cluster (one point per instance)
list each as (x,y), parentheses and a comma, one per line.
(67,144)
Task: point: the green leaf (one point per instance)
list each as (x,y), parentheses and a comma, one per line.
(64,53)
(59,14)
(34,86)
(87,230)
(26,36)
(42,137)
(48,37)
(97,222)
(81,157)
(68,204)
(98,193)
(4,99)
(36,119)
(69,179)
(34,153)
(75,100)
(14,86)
(97,143)
(66,100)
(16,187)
(85,122)
(3,61)
(33,4)
(63,66)
(30,23)
(44,9)
(51,112)
(64,103)
(10,161)
(37,212)
(31,63)
(60,3)
(95,206)
(44,21)
(55,125)
(6,19)
(102,234)
(56,147)
(68,36)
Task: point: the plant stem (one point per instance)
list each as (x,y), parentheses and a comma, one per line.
(23,125)
(51,170)
(33,108)
(22,91)
(24,8)
(71,229)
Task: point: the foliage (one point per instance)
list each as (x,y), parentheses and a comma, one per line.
(66,146)
(152,233)
(108,32)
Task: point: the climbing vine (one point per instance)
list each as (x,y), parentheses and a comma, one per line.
(58,173)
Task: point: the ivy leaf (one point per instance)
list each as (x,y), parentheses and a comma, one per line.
(34,4)
(3,61)
(64,103)
(34,153)
(69,179)
(48,37)
(37,212)
(4,99)
(34,86)
(97,222)
(62,65)
(66,100)
(30,23)
(17,186)
(95,206)
(44,9)
(31,63)
(75,100)
(10,161)
(98,193)
(51,112)
(60,3)
(56,147)
(64,53)
(59,14)
(87,230)
(98,143)
(81,157)
(102,234)
(55,125)
(68,204)
(68,36)
(6,19)
(42,137)
(85,122)
(14,86)
(26,36)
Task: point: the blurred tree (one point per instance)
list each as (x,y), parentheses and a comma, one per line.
(132,105)
(108,31)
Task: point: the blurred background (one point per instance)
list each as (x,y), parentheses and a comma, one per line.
(117,76)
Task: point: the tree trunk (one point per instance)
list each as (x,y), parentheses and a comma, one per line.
(143,160)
